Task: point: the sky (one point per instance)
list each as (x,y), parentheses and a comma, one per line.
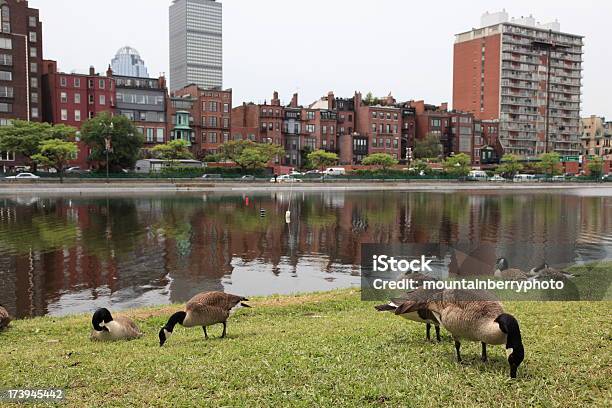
(314,46)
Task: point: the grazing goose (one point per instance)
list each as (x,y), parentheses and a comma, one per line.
(107,328)
(421,315)
(474,316)
(5,319)
(204,309)
(503,272)
(546,272)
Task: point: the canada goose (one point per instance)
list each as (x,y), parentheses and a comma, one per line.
(502,271)
(546,272)
(106,328)
(204,309)
(421,315)
(474,316)
(5,319)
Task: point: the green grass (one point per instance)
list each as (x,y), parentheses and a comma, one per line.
(325,349)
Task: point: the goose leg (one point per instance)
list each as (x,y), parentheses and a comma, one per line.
(457,348)
(205,334)
(438,333)
(428,336)
(224,329)
(484,352)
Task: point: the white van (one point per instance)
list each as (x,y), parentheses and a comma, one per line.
(518,178)
(335,171)
(477,175)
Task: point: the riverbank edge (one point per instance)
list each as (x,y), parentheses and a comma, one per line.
(195,186)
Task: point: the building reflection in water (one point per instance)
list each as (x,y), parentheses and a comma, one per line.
(62,255)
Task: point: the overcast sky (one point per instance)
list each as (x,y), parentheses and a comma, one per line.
(403,47)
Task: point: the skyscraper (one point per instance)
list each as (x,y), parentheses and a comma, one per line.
(525,74)
(196,44)
(127,62)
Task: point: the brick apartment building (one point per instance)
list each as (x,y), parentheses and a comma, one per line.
(21,54)
(209,120)
(527,76)
(596,137)
(71,99)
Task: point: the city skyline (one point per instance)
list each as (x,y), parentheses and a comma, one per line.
(286,53)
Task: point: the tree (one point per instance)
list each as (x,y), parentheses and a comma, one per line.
(549,164)
(429,147)
(321,159)
(125,139)
(509,166)
(24,138)
(419,166)
(56,153)
(212,157)
(457,165)
(380,159)
(595,166)
(173,150)
(250,155)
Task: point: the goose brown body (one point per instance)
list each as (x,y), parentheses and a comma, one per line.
(206,309)
(120,328)
(5,318)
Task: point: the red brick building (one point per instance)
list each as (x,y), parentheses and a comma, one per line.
(21,53)
(71,99)
(211,113)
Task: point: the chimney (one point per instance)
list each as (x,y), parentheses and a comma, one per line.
(357,100)
(444,106)
(162,80)
(109,71)
(92,70)
(330,100)
(294,101)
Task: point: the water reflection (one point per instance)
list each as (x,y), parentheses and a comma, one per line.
(62,255)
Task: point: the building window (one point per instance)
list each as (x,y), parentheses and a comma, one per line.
(33,52)
(77,98)
(64,114)
(77,82)
(6,76)
(212,121)
(32,36)
(6,19)
(101,84)
(6,43)
(63,97)
(150,135)
(33,21)
(6,59)
(225,107)
(77,115)
(33,67)
(90,83)
(34,82)
(226,123)
(91,99)
(310,128)
(212,137)
(310,115)
(34,97)
(102,99)
(63,81)
(6,91)
(7,156)
(6,107)
(212,106)
(160,135)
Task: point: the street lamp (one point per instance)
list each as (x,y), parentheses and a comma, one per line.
(107,144)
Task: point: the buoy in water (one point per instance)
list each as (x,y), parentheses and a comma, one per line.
(288,216)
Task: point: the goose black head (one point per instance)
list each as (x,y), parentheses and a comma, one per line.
(100,318)
(166,331)
(514,344)
(163,335)
(501,264)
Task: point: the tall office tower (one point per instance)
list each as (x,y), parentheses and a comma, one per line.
(196,44)
(525,74)
(127,62)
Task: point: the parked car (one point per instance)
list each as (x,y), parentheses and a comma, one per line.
(558,178)
(477,175)
(295,173)
(212,176)
(247,177)
(497,177)
(518,178)
(606,177)
(285,178)
(335,171)
(313,172)
(23,176)
(75,170)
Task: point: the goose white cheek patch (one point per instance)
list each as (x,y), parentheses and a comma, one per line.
(509,351)
(167,334)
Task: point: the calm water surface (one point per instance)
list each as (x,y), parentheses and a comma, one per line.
(68,254)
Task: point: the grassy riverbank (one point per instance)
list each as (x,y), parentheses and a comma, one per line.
(326,349)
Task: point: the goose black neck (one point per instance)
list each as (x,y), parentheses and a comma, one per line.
(509,325)
(178,317)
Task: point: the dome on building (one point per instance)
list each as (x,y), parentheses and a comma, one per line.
(127,62)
